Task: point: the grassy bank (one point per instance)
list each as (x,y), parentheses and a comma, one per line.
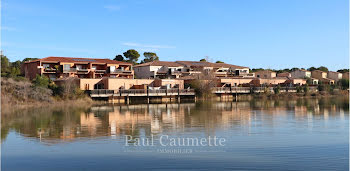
(19,93)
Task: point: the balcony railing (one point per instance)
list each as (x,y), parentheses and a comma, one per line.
(69,70)
(50,69)
(176,72)
(121,71)
(100,70)
(82,70)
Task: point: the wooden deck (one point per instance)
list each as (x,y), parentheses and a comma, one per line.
(249,90)
(142,93)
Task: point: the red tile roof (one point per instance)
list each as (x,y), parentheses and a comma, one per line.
(160,63)
(77,60)
(209,64)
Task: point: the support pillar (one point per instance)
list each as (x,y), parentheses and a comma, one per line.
(147,94)
(127,99)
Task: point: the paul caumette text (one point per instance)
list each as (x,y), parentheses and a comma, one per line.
(166,140)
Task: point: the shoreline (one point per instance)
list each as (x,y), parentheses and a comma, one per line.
(88,102)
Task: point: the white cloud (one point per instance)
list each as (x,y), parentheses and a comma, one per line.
(148,46)
(112,7)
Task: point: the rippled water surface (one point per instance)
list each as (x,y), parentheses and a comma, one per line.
(259,135)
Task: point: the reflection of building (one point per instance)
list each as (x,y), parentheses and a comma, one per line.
(144,120)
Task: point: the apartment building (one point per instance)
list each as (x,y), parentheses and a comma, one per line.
(345,75)
(318,74)
(61,67)
(284,74)
(336,76)
(217,69)
(177,69)
(301,74)
(159,69)
(322,77)
(265,74)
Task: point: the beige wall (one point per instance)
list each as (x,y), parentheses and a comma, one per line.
(300,74)
(335,75)
(318,74)
(88,83)
(143,72)
(346,75)
(265,74)
(115,83)
(235,81)
(172,83)
(299,81)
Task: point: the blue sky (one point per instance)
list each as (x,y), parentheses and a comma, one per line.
(256,33)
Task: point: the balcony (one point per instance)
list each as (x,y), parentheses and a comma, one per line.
(100,71)
(121,71)
(69,70)
(82,71)
(176,72)
(50,69)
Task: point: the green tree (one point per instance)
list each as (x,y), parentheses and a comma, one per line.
(323,87)
(299,89)
(293,69)
(14,72)
(16,64)
(343,70)
(219,62)
(149,57)
(41,81)
(132,55)
(5,64)
(308,81)
(344,83)
(257,69)
(323,68)
(203,60)
(28,59)
(119,58)
(306,88)
(312,69)
(277,89)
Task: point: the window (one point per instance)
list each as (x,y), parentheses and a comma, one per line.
(112,68)
(94,67)
(46,65)
(66,67)
(79,67)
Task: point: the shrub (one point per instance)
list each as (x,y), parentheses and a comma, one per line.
(306,89)
(41,81)
(323,87)
(56,90)
(344,83)
(299,89)
(277,89)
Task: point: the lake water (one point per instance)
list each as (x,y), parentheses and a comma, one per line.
(298,134)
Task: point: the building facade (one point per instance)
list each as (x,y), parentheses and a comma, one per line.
(178,69)
(301,74)
(62,67)
(265,74)
(336,76)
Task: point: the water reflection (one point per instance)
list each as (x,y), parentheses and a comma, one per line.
(68,124)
